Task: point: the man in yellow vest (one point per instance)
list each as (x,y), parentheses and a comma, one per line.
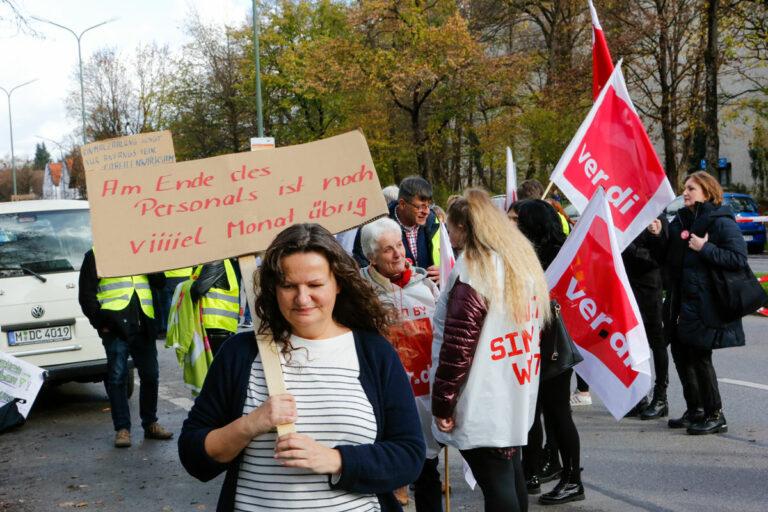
(216,286)
(172,279)
(122,312)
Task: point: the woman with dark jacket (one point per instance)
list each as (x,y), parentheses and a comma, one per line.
(358,436)
(643,260)
(540,223)
(485,347)
(703,235)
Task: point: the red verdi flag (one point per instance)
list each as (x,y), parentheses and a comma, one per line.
(611,150)
(599,309)
(602,65)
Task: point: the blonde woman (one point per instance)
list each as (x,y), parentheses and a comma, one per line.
(486,348)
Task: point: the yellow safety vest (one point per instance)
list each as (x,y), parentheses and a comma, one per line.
(221,308)
(179,272)
(436,246)
(114,293)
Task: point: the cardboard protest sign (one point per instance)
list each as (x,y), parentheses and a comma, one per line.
(19,379)
(611,150)
(203,210)
(599,309)
(132,152)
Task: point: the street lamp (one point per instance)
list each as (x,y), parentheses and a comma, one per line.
(10,126)
(259,115)
(79,57)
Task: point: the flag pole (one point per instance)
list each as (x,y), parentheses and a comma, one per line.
(447,481)
(549,187)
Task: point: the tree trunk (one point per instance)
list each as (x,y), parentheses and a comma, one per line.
(418,144)
(668,124)
(456,176)
(710,93)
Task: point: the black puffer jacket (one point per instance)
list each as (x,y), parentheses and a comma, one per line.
(691,310)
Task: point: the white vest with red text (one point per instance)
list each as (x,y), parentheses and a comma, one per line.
(416,304)
(496,406)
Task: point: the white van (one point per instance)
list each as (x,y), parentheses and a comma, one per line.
(42,244)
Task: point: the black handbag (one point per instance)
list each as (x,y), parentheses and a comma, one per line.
(558,351)
(737,292)
(10,416)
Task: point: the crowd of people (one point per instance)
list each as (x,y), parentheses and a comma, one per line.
(383,367)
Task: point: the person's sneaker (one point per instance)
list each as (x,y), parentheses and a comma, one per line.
(123,438)
(579,398)
(156,431)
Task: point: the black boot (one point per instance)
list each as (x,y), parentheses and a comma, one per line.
(658,408)
(551,468)
(638,408)
(713,423)
(533,485)
(687,419)
(568,489)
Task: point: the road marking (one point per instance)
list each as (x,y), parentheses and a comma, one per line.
(182,402)
(745,384)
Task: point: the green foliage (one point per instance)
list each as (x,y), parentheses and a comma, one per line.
(42,157)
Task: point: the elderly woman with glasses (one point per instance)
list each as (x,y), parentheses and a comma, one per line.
(413,295)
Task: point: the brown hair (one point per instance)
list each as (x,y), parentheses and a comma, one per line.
(488,231)
(357,305)
(530,189)
(709,185)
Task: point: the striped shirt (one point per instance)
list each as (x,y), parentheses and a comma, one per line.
(411,236)
(332,408)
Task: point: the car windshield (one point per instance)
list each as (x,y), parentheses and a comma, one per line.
(675,205)
(43,242)
(741,204)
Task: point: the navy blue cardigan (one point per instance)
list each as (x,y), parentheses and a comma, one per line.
(392,461)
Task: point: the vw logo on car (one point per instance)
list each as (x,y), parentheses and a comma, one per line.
(38,311)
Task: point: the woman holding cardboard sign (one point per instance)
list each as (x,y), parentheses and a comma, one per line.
(358,436)
(486,348)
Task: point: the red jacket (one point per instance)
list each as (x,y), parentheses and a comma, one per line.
(464,320)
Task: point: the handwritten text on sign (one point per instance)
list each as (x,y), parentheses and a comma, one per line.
(203,210)
(138,151)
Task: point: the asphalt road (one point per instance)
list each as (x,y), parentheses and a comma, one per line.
(63,457)
(759,263)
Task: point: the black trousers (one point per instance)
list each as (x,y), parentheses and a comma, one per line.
(427,490)
(698,377)
(649,300)
(533,451)
(500,479)
(555,402)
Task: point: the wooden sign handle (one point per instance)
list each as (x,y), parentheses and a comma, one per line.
(270,354)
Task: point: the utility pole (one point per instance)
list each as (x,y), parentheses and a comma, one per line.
(10,126)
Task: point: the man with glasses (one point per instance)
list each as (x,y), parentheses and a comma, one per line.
(421,235)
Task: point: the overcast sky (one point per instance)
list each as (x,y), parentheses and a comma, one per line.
(39,108)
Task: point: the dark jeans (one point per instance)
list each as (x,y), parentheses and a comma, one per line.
(501,479)
(216,338)
(428,492)
(697,375)
(164,301)
(144,354)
